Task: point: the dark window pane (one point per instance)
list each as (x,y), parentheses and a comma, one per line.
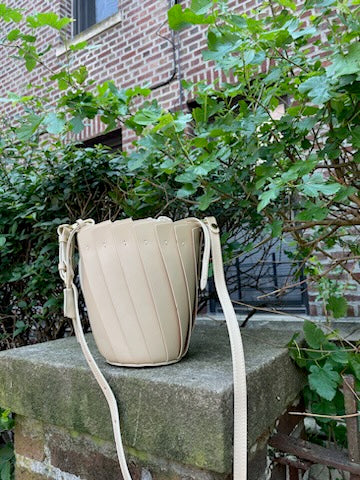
(84,14)
(89,12)
(112,139)
(105,8)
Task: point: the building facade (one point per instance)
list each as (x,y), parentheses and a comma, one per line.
(133,45)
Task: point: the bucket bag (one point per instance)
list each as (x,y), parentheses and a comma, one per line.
(140,280)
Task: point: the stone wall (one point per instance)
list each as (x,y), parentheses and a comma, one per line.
(177,420)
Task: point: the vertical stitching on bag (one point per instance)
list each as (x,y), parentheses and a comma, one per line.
(80,268)
(130,296)
(174,298)
(197,265)
(152,296)
(186,342)
(111,300)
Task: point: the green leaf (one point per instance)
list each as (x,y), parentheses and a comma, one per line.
(276,228)
(181,121)
(221,44)
(6,421)
(54,124)
(317,88)
(186,177)
(314,336)
(201,6)
(338,355)
(355,136)
(186,190)
(29,127)
(6,453)
(13,35)
(288,4)
(338,306)
(274,76)
(344,193)
(77,124)
(324,381)
(179,18)
(315,184)
(266,197)
(2,241)
(80,74)
(78,46)
(147,116)
(355,364)
(10,14)
(345,64)
(136,160)
(49,19)
(133,92)
(313,211)
(5,471)
(63,22)
(206,199)
(20,327)
(30,62)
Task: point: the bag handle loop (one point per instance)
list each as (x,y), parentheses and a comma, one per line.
(212,243)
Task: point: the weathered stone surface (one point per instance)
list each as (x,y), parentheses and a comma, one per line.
(22,473)
(181,412)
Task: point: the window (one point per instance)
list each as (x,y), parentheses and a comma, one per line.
(112,139)
(90,12)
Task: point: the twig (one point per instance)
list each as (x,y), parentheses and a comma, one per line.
(334,417)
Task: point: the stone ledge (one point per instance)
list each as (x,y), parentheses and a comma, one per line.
(181,412)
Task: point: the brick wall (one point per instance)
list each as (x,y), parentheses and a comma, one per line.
(136,51)
(132,52)
(47,452)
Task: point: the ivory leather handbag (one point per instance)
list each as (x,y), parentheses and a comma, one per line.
(140,281)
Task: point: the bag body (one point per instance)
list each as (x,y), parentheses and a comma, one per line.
(140,284)
(140,281)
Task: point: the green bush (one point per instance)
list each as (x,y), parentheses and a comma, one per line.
(37,193)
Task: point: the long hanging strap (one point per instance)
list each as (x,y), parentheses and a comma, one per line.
(237,353)
(71,309)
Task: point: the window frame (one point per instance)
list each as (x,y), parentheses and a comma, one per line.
(84,12)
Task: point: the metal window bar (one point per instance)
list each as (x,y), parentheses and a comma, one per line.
(248,281)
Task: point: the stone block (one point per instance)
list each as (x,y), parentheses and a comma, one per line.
(181,413)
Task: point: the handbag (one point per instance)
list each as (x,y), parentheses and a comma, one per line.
(140,281)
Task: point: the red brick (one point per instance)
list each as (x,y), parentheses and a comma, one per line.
(29,439)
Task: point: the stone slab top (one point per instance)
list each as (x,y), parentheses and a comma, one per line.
(181,412)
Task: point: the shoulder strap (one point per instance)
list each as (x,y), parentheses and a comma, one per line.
(212,241)
(239,374)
